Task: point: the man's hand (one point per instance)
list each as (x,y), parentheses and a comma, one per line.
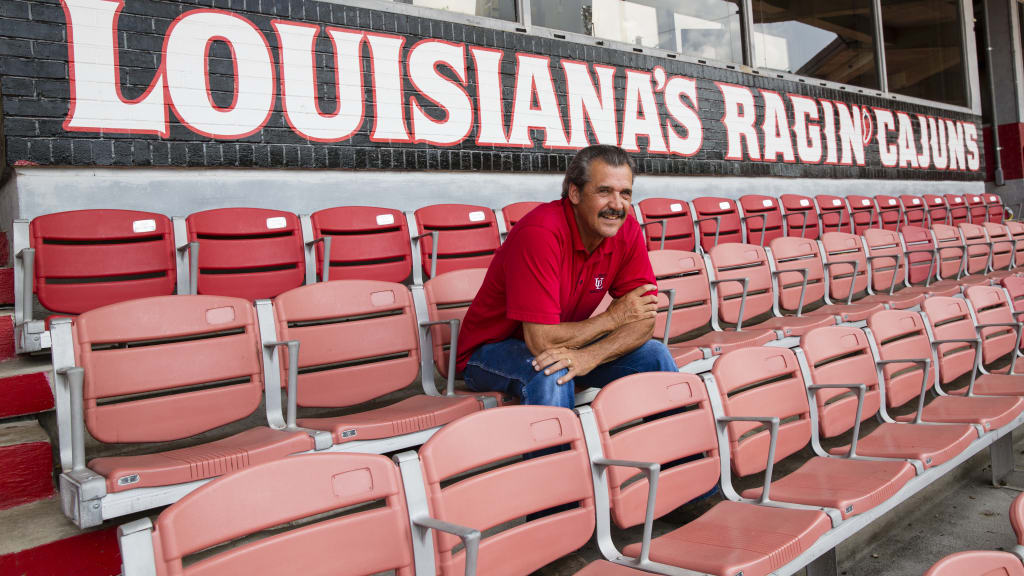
(634,306)
(578,362)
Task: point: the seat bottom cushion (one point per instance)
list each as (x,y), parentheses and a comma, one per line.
(930,444)
(410,415)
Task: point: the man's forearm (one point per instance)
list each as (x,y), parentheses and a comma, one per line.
(622,341)
(573,334)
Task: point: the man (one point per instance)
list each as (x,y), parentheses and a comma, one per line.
(529,331)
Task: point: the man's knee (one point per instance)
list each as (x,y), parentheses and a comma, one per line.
(544,389)
(655,357)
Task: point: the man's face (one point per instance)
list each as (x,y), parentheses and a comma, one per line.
(601,204)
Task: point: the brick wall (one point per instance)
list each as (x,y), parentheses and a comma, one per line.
(37,94)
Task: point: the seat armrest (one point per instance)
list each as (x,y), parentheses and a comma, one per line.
(293,377)
(664,227)
(931,263)
(325,262)
(73,377)
(25,259)
(861,390)
(853,279)
(192,249)
(433,248)
(470,538)
(427,336)
(897,258)
(135,539)
(745,282)
(651,470)
(925,363)
(975,343)
(718,226)
(764,223)
(803,287)
(671,293)
(773,427)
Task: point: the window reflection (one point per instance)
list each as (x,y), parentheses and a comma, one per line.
(923,49)
(700,28)
(829,40)
(501,9)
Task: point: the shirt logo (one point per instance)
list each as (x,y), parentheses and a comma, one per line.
(599,282)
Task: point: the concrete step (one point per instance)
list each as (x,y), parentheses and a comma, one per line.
(39,540)
(25,386)
(27,471)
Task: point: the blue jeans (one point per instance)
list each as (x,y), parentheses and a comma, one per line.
(507,367)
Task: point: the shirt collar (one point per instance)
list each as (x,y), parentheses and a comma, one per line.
(577,243)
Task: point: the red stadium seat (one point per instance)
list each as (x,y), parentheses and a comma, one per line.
(762,218)
(718,220)
(977,208)
(888,263)
(958,210)
(1003,260)
(833,213)
(952,257)
(915,211)
(447,299)
(890,212)
(938,209)
(249,253)
(367,243)
(677,220)
(848,273)
(801,216)
(467,237)
(514,212)
(996,210)
(863,213)
(979,251)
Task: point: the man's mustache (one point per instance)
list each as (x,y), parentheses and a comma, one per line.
(618,214)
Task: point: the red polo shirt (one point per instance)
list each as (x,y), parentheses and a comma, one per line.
(542,274)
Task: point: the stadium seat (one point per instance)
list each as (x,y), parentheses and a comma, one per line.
(718,220)
(902,335)
(915,212)
(959,213)
(762,219)
(445,300)
(977,209)
(483,452)
(801,216)
(938,209)
(667,419)
(1016,230)
(838,359)
(979,249)
(833,213)
(768,382)
(158,369)
(1003,249)
(1014,286)
(888,262)
(863,213)
(248,253)
(849,273)
(514,212)
(996,210)
(922,264)
(367,243)
(83,259)
(358,342)
(953,256)
(293,516)
(799,254)
(890,212)
(453,237)
(668,224)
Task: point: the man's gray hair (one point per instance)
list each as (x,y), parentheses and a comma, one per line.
(578,172)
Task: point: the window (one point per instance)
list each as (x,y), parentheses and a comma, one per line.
(500,9)
(924,49)
(829,40)
(701,28)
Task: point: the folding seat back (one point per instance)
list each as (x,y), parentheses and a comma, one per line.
(289,495)
(938,209)
(958,210)
(367,243)
(762,218)
(514,212)
(467,237)
(1014,286)
(798,254)
(920,264)
(493,441)
(841,355)
(915,211)
(994,206)
(683,272)
(887,263)
(951,250)
(742,261)
(890,212)
(671,218)
(863,213)
(1001,244)
(978,249)
(834,215)
(900,335)
(448,297)
(950,318)
(250,253)
(762,381)
(991,306)
(167,367)
(801,216)
(718,221)
(977,209)
(664,418)
(852,274)
(1016,231)
(85,259)
(357,340)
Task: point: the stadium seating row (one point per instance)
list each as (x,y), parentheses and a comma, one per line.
(648,444)
(79,260)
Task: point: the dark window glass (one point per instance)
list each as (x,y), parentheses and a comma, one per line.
(701,28)
(500,9)
(924,49)
(833,41)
